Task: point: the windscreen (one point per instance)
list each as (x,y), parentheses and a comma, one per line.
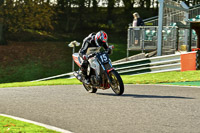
(93,50)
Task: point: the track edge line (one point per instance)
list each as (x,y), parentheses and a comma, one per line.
(37,123)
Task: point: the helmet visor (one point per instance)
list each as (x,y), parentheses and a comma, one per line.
(100,43)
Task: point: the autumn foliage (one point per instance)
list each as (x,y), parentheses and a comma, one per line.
(20,15)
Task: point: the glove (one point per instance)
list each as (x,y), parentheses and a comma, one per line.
(111,47)
(85,57)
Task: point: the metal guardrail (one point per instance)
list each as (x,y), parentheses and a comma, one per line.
(65,75)
(141,66)
(150,65)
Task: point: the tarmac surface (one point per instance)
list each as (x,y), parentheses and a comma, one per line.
(142,108)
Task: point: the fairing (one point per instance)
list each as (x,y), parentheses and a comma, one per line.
(77,59)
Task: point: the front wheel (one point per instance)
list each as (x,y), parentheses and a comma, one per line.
(89,88)
(117,84)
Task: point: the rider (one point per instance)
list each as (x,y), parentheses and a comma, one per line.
(98,39)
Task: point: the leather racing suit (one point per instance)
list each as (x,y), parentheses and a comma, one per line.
(89,41)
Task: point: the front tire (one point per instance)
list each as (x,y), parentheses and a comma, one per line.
(117,84)
(89,88)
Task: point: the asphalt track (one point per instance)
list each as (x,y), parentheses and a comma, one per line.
(142,108)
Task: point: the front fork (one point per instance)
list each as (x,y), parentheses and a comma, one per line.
(107,72)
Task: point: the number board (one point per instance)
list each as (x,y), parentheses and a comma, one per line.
(103,58)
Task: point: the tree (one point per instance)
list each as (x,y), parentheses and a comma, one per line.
(20,15)
(128,5)
(110,8)
(81,4)
(111,4)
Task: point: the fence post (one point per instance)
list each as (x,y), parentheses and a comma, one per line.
(190,40)
(198,60)
(128,41)
(143,36)
(160,27)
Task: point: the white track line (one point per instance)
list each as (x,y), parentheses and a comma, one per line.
(37,123)
(165,85)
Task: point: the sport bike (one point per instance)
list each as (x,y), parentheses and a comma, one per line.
(100,71)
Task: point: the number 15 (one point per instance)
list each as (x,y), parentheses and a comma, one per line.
(103,58)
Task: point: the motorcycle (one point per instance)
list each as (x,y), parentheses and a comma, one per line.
(101,73)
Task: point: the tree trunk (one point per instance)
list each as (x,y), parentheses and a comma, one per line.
(94,5)
(142,3)
(128,5)
(110,9)
(2,31)
(81,12)
(148,4)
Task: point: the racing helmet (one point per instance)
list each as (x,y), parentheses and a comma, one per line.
(101,38)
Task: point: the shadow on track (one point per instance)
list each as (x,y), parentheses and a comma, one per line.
(145,96)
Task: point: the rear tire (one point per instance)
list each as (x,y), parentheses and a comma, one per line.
(89,88)
(117,84)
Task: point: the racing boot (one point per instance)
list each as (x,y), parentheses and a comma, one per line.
(78,74)
(85,80)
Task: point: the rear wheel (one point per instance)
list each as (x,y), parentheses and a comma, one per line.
(89,88)
(117,84)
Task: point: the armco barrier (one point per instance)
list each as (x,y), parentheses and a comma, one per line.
(149,65)
(141,66)
(65,75)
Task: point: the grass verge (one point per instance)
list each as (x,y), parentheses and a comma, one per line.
(9,125)
(188,83)
(154,78)
(165,77)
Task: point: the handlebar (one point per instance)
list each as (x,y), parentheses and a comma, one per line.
(92,55)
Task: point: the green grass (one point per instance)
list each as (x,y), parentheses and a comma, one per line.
(156,78)
(187,83)
(32,71)
(42,83)
(9,125)
(166,77)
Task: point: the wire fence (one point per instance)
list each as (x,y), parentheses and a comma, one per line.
(173,16)
(144,38)
(173,38)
